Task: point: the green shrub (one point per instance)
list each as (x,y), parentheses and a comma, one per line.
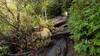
(57,7)
(84,25)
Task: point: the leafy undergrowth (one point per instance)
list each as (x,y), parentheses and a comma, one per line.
(3,50)
(25,25)
(84,25)
(22,28)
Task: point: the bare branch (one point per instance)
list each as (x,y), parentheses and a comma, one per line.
(8,9)
(4,19)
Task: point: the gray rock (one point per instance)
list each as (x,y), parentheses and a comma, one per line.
(58,49)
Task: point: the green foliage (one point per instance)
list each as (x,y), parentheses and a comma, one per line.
(19,17)
(42,21)
(84,25)
(57,7)
(3,50)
